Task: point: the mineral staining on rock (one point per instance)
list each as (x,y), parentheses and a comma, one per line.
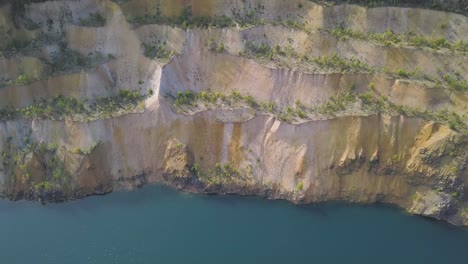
(300,100)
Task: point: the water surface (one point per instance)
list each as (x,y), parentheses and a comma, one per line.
(159,225)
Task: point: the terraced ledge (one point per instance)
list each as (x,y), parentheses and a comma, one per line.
(65,62)
(345,104)
(287,57)
(250,20)
(460,7)
(409,39)
(251,17)
(189,21)
(60,108)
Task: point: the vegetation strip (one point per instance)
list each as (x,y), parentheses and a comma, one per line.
(187,20)
(61,107)
(340,64)
(447,6)
(333,62)
(341,105)
(249,19)
(390,38)
(63,61)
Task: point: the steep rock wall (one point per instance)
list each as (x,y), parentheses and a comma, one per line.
(413,157)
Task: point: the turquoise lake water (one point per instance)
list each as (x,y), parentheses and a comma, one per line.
(159,225)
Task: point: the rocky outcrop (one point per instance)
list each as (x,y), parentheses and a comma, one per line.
(218,98)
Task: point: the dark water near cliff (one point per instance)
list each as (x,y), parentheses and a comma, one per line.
(159,225)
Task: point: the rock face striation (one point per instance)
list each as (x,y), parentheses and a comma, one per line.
(299,100)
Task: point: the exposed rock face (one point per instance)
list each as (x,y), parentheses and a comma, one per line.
(249,125)
(432,204)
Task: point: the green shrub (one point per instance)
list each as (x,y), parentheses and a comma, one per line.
(301,113)
(220,48)
(403,73)
(261,50)
(299,186)
(204,96)
(157,51)
(250,101)
(45,185)
(196,170)
(271,107)
(213,46)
